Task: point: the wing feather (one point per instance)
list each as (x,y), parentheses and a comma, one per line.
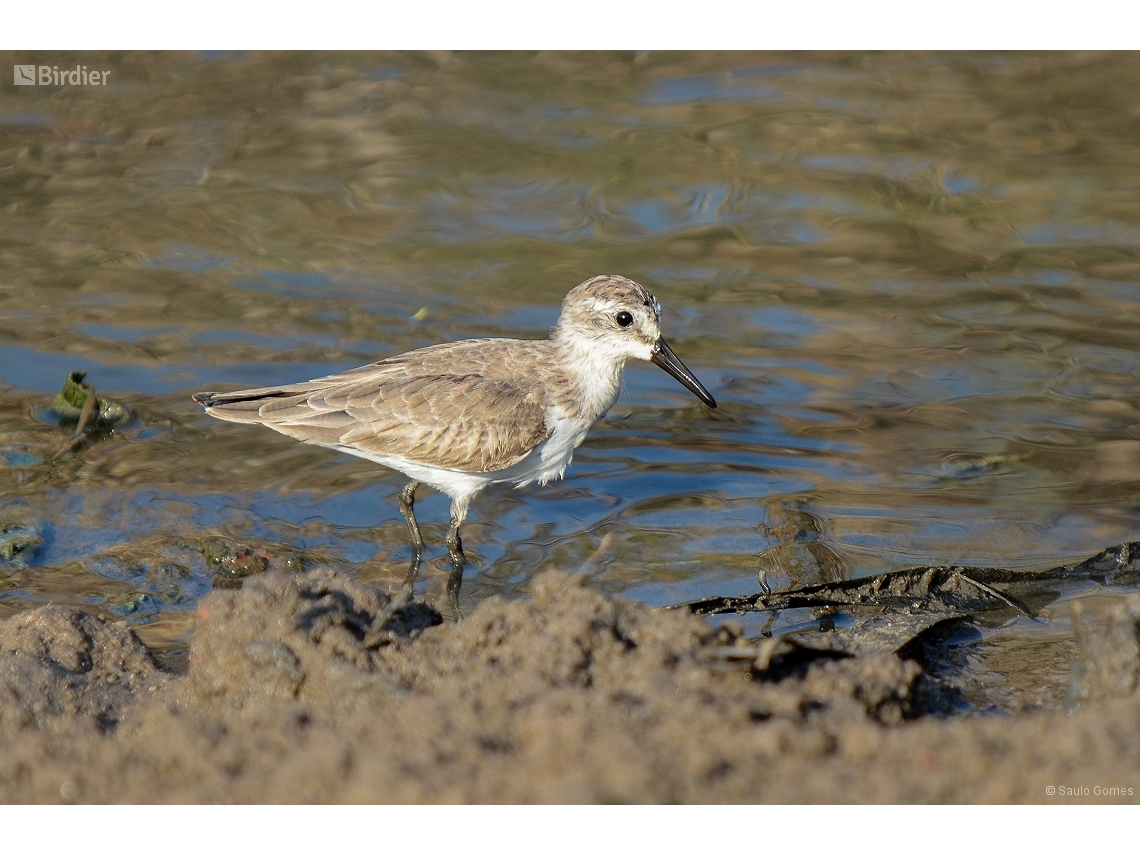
(458,406)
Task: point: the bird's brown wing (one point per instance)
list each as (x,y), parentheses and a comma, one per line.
(449,406)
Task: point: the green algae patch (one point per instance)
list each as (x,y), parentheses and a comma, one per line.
(233,562)
(77,404)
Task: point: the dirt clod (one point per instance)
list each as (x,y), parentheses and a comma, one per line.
(1109,643)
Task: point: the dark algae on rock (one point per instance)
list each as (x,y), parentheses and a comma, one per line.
(76,404)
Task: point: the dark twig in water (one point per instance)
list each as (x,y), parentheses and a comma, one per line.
(994,592)
(936,589)
(939,590)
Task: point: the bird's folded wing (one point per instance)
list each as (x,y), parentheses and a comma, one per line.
(462,421)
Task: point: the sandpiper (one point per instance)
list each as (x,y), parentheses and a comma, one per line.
(464,415)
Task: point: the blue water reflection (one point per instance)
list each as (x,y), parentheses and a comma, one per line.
(912,293)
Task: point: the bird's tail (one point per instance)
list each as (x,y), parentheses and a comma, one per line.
(249,405)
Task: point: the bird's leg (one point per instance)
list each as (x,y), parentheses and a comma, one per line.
(455,548)
(407,500)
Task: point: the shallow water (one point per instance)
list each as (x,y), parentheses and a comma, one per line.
(907,279)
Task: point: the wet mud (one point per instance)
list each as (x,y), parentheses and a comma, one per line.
(309,687)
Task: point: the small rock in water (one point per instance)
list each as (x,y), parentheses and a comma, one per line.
(231,563)
(68,406)
(18,542)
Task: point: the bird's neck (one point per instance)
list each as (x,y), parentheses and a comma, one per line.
(593,373)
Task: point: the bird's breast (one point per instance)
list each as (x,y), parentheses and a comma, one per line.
(551,457)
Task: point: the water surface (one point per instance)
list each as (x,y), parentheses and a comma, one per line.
(908,279)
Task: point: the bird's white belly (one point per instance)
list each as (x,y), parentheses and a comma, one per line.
(547,461)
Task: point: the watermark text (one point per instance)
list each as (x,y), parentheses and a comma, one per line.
(51,75)
(1097,790)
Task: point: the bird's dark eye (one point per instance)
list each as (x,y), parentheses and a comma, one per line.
(624,319)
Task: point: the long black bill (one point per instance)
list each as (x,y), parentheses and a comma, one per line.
(664,357)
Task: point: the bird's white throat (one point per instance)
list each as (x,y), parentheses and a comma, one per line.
(596,364)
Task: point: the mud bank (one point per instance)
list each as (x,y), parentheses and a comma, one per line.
(304,688)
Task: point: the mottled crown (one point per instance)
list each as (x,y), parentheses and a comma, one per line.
(590,308)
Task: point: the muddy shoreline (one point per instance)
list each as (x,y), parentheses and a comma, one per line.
(301,688)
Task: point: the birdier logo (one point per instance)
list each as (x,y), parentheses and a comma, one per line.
(51,75)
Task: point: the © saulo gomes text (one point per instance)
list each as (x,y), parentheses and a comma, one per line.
(1088,791)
